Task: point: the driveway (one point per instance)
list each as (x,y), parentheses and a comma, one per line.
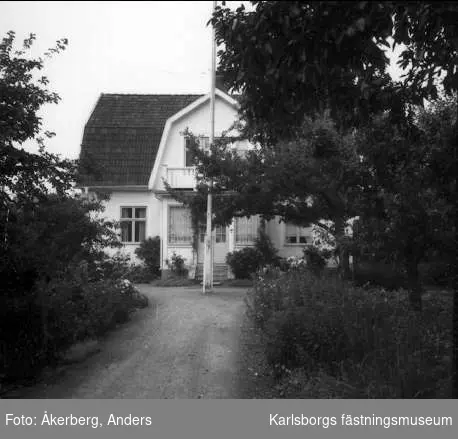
(184,346)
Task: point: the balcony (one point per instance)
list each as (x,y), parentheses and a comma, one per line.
(180,178)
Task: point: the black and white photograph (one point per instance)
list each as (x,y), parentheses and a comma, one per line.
(228,200)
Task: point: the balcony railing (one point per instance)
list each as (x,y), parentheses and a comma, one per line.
(180,178)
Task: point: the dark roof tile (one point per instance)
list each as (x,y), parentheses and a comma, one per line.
(122,136)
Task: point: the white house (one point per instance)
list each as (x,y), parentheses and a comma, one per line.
(136,141)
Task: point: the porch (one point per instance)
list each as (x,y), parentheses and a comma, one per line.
(179,238)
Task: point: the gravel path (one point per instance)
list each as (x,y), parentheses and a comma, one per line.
(184,346)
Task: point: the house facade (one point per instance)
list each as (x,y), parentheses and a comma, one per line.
(134,143)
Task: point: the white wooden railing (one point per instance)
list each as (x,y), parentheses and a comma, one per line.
(182,178)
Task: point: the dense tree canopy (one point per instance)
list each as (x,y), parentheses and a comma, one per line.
(23,92)
(289,59)
(294,58)
(47,231)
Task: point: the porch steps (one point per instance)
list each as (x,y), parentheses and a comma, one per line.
(220,272)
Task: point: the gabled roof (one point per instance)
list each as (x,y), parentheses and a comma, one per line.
(218,93)
(122,137)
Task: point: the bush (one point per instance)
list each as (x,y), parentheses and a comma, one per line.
(177,265)
(316,259)
(267,251)
(379,274)
(119,266)
(366,339)
(140,274)
(150,253)
(437,273)
(284,264)
(244,262)
(75,305)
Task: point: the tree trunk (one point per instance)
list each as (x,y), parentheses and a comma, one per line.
(414,285)
(342,251)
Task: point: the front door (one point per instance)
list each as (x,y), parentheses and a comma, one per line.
(220,245)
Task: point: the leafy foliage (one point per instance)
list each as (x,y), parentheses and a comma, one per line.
(244,262)
(310,179)
(290,59)
(55,290)
(428,32)
(24,174)
(150,253)
(177,265)
(365,339)
(57,280)
(316,258)
(266,249)
(406,213)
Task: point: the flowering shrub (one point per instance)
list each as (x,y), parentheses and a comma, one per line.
(296,262)
(177,265)
(120,266)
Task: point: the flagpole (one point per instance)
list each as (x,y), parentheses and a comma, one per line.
(208,257)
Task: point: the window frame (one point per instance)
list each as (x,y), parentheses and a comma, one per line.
(298,235)
(247,243)
(169,224)
(133,220)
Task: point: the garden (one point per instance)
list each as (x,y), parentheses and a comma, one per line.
(318,334)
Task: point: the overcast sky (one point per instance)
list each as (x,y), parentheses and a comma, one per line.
(114,47)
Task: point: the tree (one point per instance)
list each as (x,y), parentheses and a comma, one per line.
(290,59)
(310,178)
(404,214)
(25,174)
(45,228)
(428,30)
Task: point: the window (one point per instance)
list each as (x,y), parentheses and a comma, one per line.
(180,226)
(220,233)
(246,230)
(298,235)
(133,224)
(204,142)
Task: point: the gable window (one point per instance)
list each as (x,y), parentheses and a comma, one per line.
(246,230)
(297,235)
(133,224)
(180,226)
